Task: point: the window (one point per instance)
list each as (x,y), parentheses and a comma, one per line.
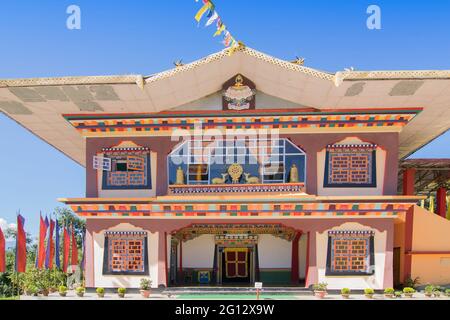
(350,253)
(350,166)
(125,253)
(262,161)
(130,169)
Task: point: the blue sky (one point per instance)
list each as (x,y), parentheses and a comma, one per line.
(144,37)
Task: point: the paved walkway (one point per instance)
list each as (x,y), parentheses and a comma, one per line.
(136,296)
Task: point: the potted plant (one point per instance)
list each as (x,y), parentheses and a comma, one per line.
(320,289)
(80,291)
(409,292)
(369,292)
(100,292)
(437,291)
(447,292)
(398,294)
(345,293)
(121,292)
(389,292)
(429,290)
(145,287)
(62,291)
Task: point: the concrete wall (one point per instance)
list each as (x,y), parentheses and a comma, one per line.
(430,252)
(199,252)
(274,252)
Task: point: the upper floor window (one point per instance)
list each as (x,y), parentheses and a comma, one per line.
(130,168)
(235,161)
(350,165)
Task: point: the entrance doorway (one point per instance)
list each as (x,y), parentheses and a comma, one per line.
(236,265)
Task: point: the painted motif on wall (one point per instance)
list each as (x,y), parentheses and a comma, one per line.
(350,166)
(350,253)
(125,253)
(238,94)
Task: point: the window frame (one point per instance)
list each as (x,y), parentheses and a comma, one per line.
(373,168)
(106,265)
(348,235)
(126,153)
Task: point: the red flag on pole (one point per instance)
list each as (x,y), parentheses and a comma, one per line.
(21,245)
(41,251)
(66,245)
(50,252)
(2,252)
(74,260)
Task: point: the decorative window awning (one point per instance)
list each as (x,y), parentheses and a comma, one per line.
(125,150)
(351,232)
(351,147)
(126,233)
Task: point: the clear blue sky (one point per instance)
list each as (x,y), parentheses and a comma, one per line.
(144,37)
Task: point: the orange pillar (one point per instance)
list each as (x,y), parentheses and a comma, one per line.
(409,176)
(441,194)
(294,257)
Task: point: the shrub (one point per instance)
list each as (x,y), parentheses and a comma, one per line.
(145,284)
(79,289)
(412,283)
(121,290)
(389,291)
(408,290)
(62,289)
(447,291)
(100,290)
(322,286)
(429,288)
(398,294)
(345,291)
(369,291)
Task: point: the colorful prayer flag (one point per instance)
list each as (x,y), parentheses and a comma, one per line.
(74,260)
(66,249)
(57,257)
(202,11)
(2,252)
(219,30)
(212,18)
(21,245)
(50,249)
(41,247)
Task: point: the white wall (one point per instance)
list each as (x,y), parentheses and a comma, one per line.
(199,252)
(274,252)
(127,281)
(374,281)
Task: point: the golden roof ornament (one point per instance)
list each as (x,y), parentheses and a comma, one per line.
(298,61)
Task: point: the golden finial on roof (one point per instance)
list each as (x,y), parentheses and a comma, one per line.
(178,63)
(299,61)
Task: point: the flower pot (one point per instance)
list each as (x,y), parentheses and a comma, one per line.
(101,295)
(409,295)
(145,293)
(369,295)
(121,295)
(345,295)
(428,294)
(52,290)
(80,294)
(320,294)
(389,295)
(45,292)
(63,293)
(437,294)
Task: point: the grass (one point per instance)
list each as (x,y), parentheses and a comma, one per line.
(9,298)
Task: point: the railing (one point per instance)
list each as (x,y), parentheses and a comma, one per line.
(237,188)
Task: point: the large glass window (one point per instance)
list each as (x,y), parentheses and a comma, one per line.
(236,161)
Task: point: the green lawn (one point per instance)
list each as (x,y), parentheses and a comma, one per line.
(9,298)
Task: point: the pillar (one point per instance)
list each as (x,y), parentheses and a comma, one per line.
(311,275)
(89,257)
(294,260)
(409,176)
(441,201)
(180,272)
(162,256)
